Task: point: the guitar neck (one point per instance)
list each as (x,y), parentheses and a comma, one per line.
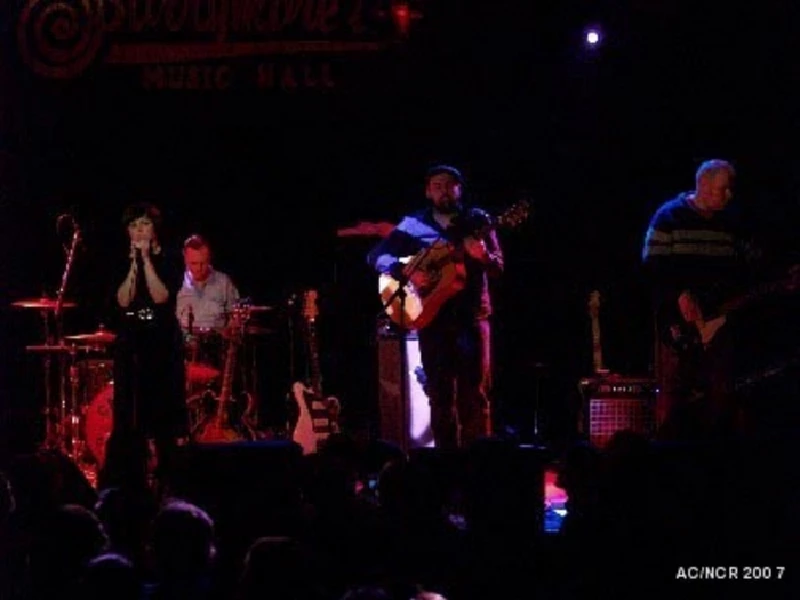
(755,293)
(597,349)
(313,351)
(504,221)
(487,228)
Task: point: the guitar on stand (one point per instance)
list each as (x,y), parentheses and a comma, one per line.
(612,402)
(443,263)
(318,416)
(219,427)
(597,348)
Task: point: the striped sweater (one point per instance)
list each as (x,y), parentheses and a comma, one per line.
(684,249)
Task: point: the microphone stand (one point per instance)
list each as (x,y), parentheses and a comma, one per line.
(59,325)
(401,294)
(76,237)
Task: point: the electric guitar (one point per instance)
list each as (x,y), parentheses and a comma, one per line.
(318,416)
(443,263)
(218,427)
(705,329)
(597,348)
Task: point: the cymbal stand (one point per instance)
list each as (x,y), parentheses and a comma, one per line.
(49,411)
(70,441)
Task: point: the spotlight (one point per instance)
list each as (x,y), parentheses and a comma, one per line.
(592,37)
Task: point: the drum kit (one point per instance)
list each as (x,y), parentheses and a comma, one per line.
(78,375)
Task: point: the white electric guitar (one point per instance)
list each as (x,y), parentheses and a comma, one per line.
(318,416)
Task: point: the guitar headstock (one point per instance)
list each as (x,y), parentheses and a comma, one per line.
(310,308)
(515,215)
(594,303)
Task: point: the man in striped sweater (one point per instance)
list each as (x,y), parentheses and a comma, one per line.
(695,259)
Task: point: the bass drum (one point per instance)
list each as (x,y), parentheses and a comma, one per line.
(99,420)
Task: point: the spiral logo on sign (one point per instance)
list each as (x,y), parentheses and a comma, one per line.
(60,38)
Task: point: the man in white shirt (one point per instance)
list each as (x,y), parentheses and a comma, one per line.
(207,296)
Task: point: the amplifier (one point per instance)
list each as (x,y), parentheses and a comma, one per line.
(616,403)
(405,422)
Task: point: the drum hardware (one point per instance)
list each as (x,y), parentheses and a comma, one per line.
(73,440)
(255,309)
(245,304)
(47,306)
(201,346)
(200,373)
(55,436)
(100,337)
(79,415)
(258,330)
(66,445)
(64,423)
(62,348)
(44,304)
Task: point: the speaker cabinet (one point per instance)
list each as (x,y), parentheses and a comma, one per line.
(405,422)
(619,404)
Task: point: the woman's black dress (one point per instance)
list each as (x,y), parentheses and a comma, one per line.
(149,371)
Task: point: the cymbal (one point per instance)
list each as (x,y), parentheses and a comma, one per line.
(260,308)
(250,308)
(101,336)
(43,303)
(66,348)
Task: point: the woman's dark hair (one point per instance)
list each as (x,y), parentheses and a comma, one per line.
(142,209)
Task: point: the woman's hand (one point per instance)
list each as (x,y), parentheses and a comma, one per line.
(143,246)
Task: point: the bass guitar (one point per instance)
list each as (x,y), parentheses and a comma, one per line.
(443,263)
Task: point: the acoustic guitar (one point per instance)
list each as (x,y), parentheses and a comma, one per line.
(443,263)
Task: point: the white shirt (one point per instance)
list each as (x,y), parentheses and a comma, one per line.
(206,305)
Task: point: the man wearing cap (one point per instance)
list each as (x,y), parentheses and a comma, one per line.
(455,346)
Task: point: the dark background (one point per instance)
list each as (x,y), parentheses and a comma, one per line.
(505,90)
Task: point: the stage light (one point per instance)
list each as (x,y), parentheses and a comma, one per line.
(401,12)
(592,37)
